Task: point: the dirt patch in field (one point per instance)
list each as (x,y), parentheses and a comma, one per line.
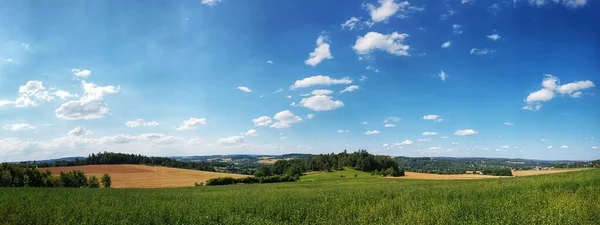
(267,160)
(429,176)
(141,176)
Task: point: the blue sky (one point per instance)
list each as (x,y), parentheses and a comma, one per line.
(455,78)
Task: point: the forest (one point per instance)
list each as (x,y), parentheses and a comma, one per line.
(20,175)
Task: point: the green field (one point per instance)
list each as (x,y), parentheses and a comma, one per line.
(567,198)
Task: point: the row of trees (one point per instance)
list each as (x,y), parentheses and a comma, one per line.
(250,180)
(360,160)
(17,175)
(497,171)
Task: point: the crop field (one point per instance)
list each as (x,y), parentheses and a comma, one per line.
(564,198)
(141,176)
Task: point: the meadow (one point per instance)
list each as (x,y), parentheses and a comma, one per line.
(321,198)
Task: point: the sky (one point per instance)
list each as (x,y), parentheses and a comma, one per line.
(458,78)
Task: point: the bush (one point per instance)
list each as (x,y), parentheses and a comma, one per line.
(106,181)
(93,182)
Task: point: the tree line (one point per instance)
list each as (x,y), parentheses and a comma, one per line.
(359,160)
(20,175)
(249,180)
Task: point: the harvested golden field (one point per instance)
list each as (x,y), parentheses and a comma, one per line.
(141,176)
(429,176)
(267,160)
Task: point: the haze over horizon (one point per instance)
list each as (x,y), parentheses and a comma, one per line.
(465,78)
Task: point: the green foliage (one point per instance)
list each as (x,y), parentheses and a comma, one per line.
(93,182)
(106,181)
(567,198)
(250,180)
(497,171)
(73,179)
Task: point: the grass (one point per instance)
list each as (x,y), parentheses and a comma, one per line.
(567,198)
(336,175)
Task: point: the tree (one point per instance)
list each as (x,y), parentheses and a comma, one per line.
(93,182)
(106,181)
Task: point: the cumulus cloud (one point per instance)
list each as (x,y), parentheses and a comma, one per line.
(424,140)
(389,125)
(269,62)
(446,44)
(79,131)
(342,131)
(140,122)
(350,88)
(351,23)
(251,132)
(81,73)
(465,132)
(244,89)
(310,116)
(494,37)
(456,28)
(392,43)
(429,133)
(211,2)
(508,123)
(90,106)
(371,132)
(319,80)
(477,51)
(406,142)
(321,92)
(191,123)
(32,90)
(320,53)
(321,103)
(443,76)
(567,3)
(390,119)
(564,146)
(19,127)
(387,8)
(434,148)
(262,121)
(285,119)
(551,87)
(232,140)
(63,94)
(431,117)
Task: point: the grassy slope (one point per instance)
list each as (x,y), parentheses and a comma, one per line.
(568,198)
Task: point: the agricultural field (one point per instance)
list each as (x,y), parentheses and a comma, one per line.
(141,176)
(324,198)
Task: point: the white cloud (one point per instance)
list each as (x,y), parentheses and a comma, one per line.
(19,127)
(567,3)
(310,116)
(454,143)
(406,142)
(211,2)
(269,62)
(594,147)
(424,140)
(288,97)
(431,117)
(195,141)
(140,122)
(429,133)
(505,147)
(5,103)
(362,78)
(564,146)
(79,131)
(392,43)
(321,52)
(278,90)
(350,23)
(244,89)
(387,8)
(434,148)
(494,37)
(456,28)
(550,146)
(232,140)
(321,92)
(443,76)
(319,80)
(342,131)
(550,87)
(262,121)
(24,101)
(446,44)
(542,139)
(389,125)
(365,122)
(350,88)
(63,94)
(464,1)
(90,106)
(390,119)
(32,89)
(371,132)
(321,103)
(508,123)
(477,51)
(465,132)
(251,132)
(81,73)
(191,123)
(285,119)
